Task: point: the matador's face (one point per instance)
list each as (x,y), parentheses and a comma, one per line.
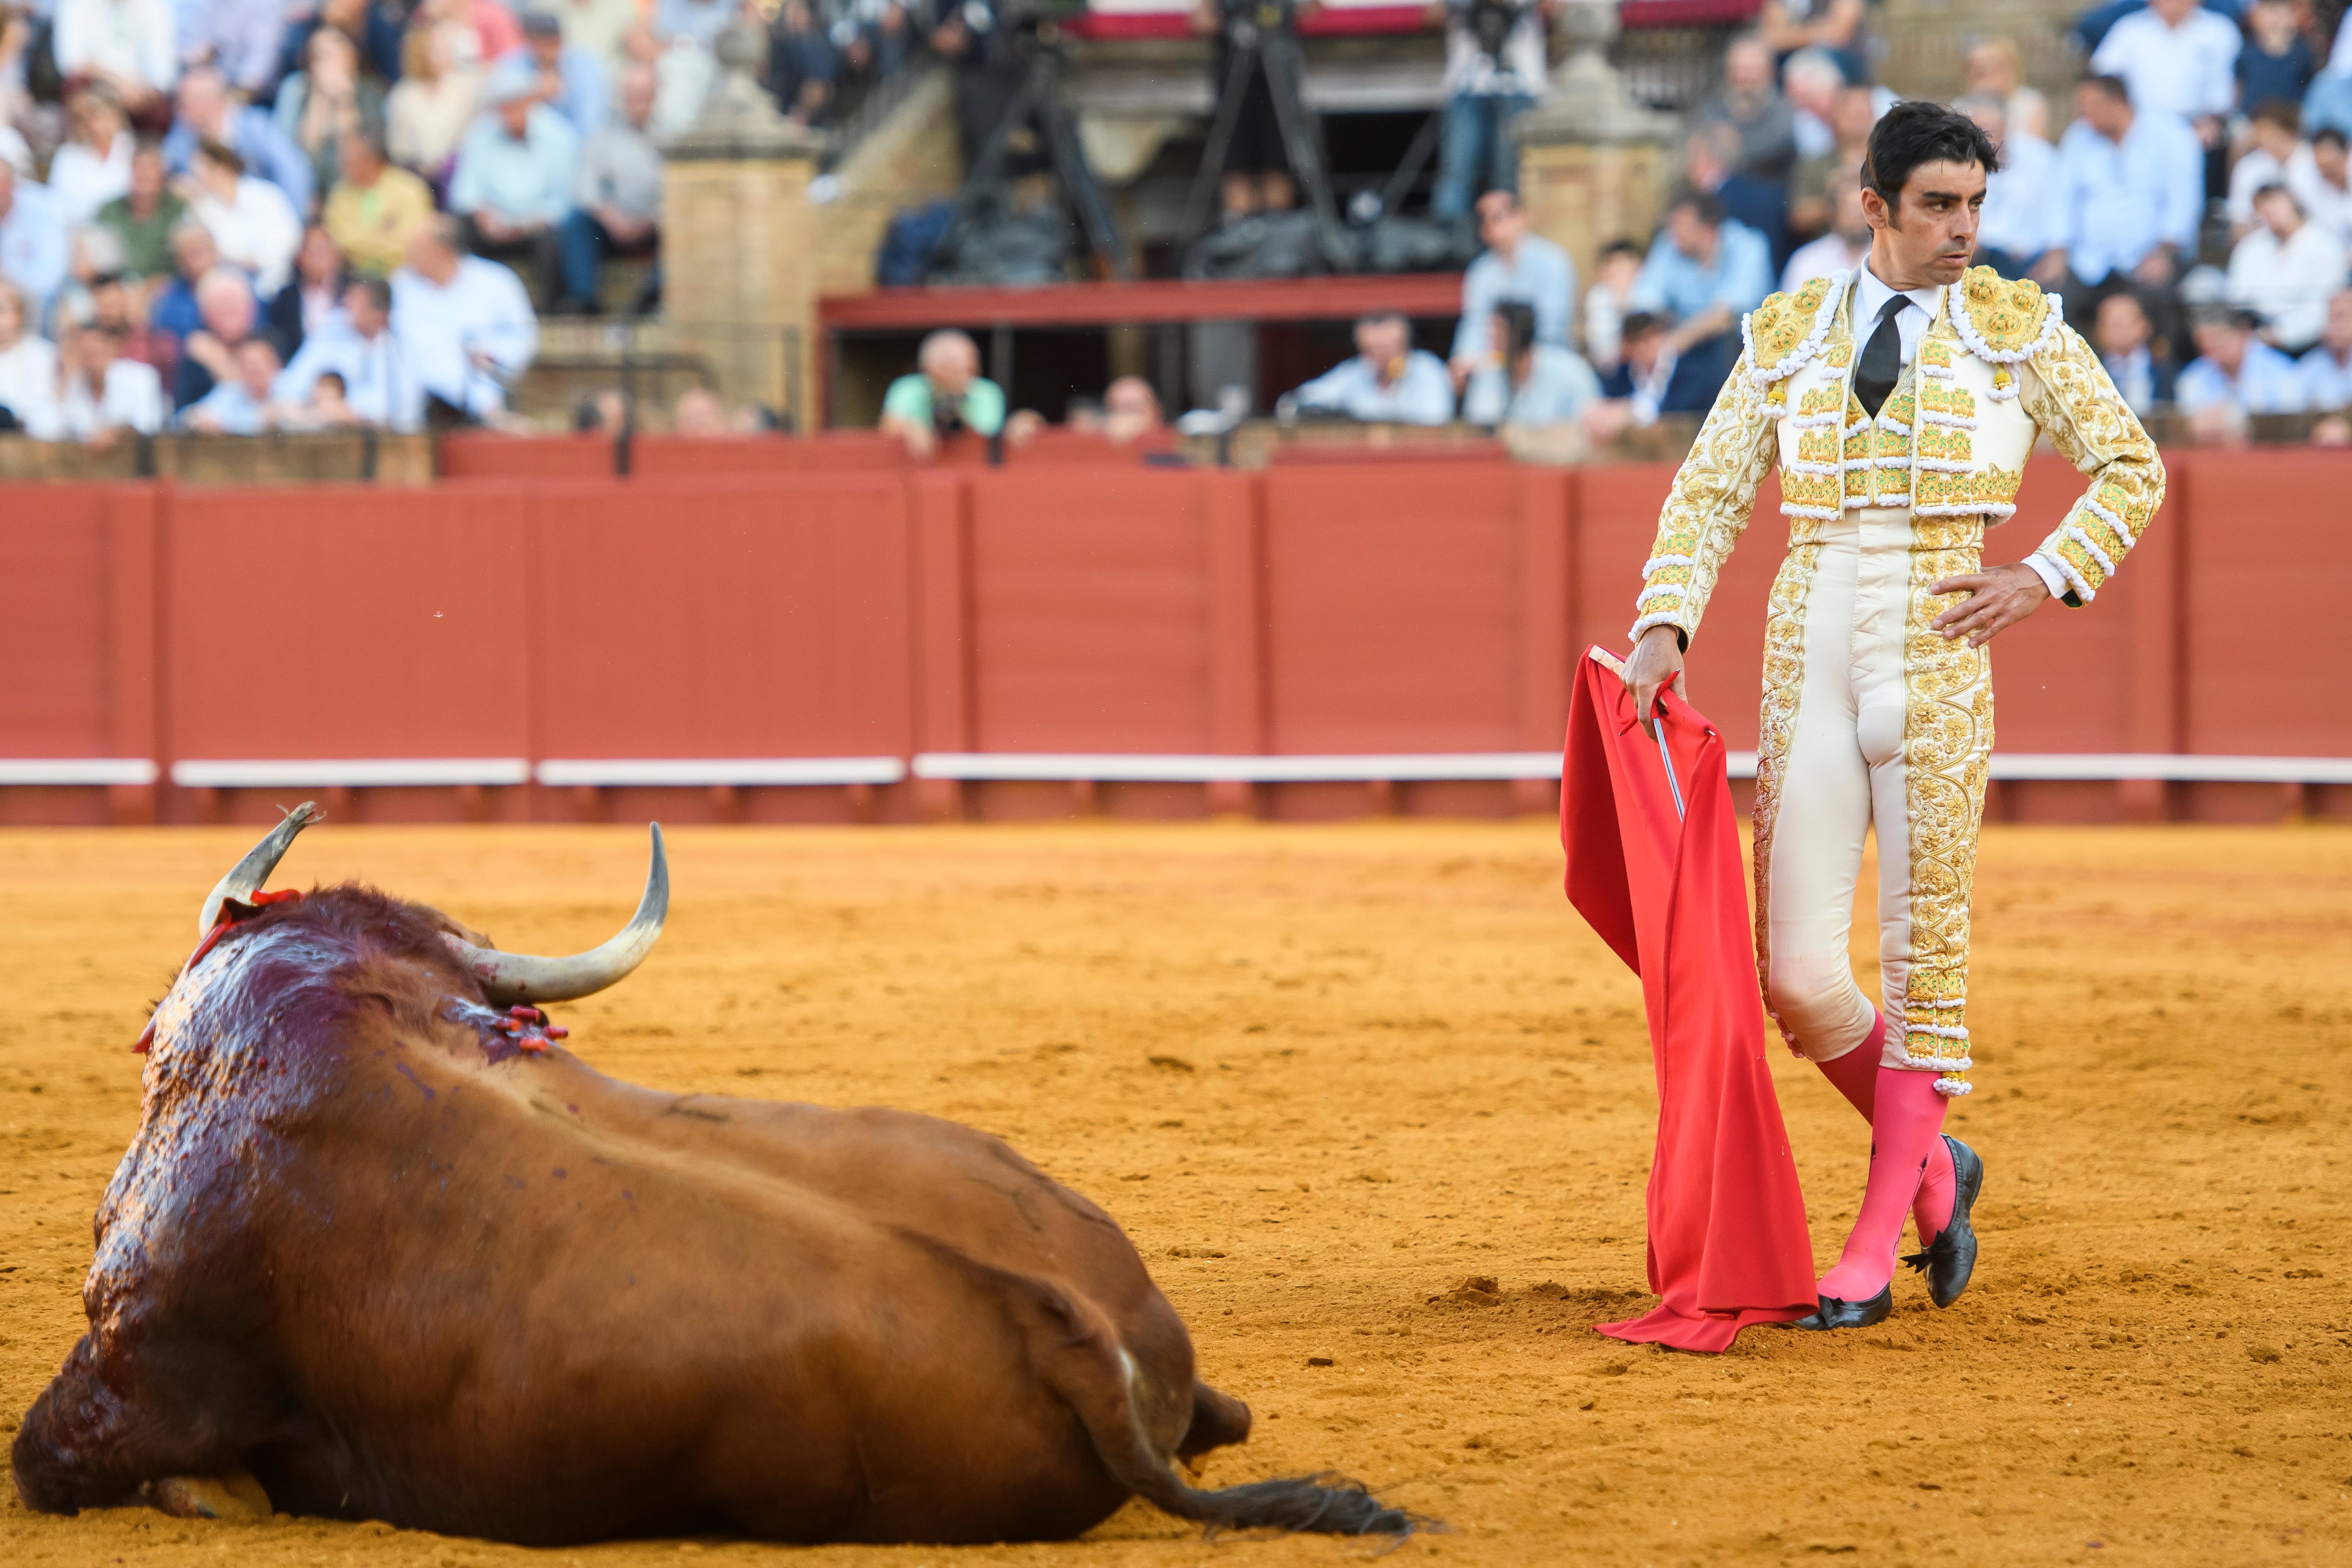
(1931,234)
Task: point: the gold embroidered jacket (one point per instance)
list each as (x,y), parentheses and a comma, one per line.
(1998,364)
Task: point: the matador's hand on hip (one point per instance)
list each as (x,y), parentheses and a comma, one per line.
(1657,661)
(1997,599)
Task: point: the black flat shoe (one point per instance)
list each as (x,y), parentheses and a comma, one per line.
(1951,1258)
(1832,1314)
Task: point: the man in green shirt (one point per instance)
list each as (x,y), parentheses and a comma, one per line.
(946,395)
(144,218)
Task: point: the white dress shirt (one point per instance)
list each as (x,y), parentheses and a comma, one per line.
(2187,70)
(130,398)
(2288,281)
(2329,206)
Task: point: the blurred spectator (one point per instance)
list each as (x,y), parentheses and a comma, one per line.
(172,314)
(381,383)
(569,80)
(1750,104)
(1832,29)
(605,413)
(945,394)
(1704,272)
(2329,101)
(374,24)
(484,30)
(104,390)
(697,412)
(619,197)
(1387,381)
(467,321)
(697,21)
(147,215)
(1813,80)
(111,307)
(2272,136)
(2234,369)
(328,407)
(2123,336)
(1131,411)
(32,240)
(2130,195)
(2286,270)
(128,44)
(2020,219)
(1710,165)
(2325,373)
(2318,175)
(17,108)
(427,111)
(516,171)
(206,113)
(314,293)
(251,220)
(1813,190)
(1608,300)
(241,39)
(28,368)
(375,209)
(239,403)
(1842,249)
(1994,69)
(332,100)
(2276,61)
(1515,265)
(684,72)
(1529,383)
(1650,380)
(2176,57)
(802,65)
(225,314)
(1493,74)
(93,167)
(595,25)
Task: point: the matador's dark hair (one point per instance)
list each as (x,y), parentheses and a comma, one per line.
(1916,131)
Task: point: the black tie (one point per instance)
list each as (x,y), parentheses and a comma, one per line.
(1882,358)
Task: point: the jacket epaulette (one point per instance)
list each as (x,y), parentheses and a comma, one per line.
(2005,320)
(1788,328)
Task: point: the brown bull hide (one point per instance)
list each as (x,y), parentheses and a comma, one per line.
(401,1261)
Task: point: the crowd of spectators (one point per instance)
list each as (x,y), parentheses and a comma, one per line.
(248,215)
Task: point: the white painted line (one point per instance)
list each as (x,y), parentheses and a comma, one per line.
(1123,767)
(623,773)
(2173,767)
(372,773)
(77,771)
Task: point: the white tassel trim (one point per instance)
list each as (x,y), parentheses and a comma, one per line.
(1818,514)
(1898,462)
(1664,590)
(1656,562)
(1967,508)
(1941,1031)
(1990,355)
(1819,470)
(2082,536)
(1814,421)
(1893,426)
(1956,421)
(2003,394)
(2111,519)
(1954,1088)
(1938,372)
(1765,376)
(1941,1064)
(1656,618)
(1857,429)
(1954,1002)
(1945,466)
(2066,568)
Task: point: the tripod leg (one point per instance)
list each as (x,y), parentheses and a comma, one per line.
(1400,184)
(986,172)
(1212,157)
(1280,59)
(1084,191)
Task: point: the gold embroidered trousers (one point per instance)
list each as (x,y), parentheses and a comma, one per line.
(1872,724)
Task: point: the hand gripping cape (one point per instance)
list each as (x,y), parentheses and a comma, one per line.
(1653,864)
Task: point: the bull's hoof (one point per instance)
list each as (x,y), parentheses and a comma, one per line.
(235,1498)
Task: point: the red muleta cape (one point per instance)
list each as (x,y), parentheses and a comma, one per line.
(1653,864)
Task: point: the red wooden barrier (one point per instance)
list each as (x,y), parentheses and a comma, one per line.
(539,647)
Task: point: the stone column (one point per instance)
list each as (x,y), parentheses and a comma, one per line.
(738,248)
(1593,164)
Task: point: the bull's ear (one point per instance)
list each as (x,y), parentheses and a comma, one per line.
(245,879)
(507,978)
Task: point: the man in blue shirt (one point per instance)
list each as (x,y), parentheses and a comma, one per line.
(2130,195)
(2234,369)
(1704,272)
(32,241)
(1388,382)
(206,113)
(1515,265)
(382,381)
(514,178)
(568,80)
(1532,384)
(466,323)
(2327,371)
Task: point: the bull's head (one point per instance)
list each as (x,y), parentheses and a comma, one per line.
(506,978)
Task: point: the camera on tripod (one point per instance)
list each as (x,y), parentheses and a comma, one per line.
(1245,22)
(1491,23)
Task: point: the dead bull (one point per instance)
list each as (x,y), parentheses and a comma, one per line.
(384,1245)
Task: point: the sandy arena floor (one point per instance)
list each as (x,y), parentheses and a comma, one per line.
(1326,1075)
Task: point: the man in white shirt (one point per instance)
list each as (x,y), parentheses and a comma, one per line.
(467,321)
(2325,372)
(132,46)
(2019,221)
(2273,133)
(32,240)
(2285,270)
(1840,250)
(1493,73)
(382,381)
(105,392)
(2178,59)
(2320,175)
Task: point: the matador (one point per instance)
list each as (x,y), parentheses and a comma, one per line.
(1899,401)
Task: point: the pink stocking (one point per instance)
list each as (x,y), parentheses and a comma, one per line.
(1856,1075)
(1906,1121)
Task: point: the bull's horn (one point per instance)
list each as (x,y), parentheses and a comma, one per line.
(245,879)
(510,977)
